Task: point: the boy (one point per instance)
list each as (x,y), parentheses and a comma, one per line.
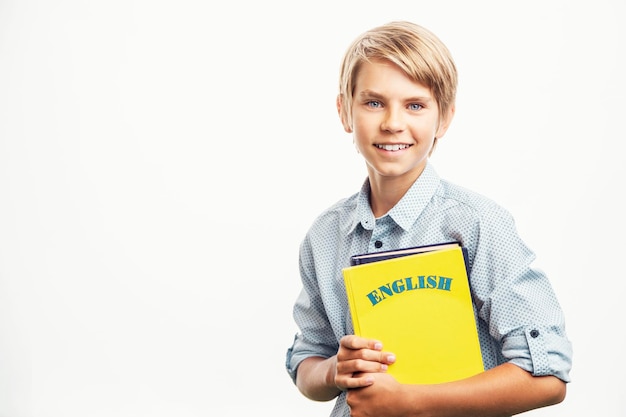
(397,91)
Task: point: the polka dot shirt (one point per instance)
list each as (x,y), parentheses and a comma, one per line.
(519,317)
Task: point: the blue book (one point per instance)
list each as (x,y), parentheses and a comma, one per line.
(365,258)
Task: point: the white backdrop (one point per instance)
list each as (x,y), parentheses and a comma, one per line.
(160,162)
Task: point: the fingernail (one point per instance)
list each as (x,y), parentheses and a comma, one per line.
(391,358)
(378,346)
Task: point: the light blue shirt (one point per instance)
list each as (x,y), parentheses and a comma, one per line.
(520,319)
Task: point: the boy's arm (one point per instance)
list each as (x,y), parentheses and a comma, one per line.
(501,391)
(316,377)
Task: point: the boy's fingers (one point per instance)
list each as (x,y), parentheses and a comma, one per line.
(358,381)
(388,358)
(380,357)
(356,342)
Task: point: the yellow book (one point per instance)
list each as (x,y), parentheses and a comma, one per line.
(419,306)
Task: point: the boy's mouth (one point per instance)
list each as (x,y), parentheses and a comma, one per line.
(393,147)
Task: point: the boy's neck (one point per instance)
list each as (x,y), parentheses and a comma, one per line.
(386,192)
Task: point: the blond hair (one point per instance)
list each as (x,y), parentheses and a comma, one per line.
(414,49)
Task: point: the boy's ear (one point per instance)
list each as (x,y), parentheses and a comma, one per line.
(342,114)
(444,122)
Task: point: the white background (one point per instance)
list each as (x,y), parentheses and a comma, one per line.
(160,162)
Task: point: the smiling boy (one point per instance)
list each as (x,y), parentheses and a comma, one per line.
(394,121)
(396,99)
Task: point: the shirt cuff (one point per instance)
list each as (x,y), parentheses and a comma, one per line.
(540,350)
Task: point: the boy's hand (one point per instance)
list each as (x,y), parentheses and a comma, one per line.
(382,398)
(356,358)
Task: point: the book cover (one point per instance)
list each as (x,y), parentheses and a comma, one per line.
(419,306)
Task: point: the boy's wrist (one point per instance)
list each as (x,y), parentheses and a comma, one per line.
(331,373)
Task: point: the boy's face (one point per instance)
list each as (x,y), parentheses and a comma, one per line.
(394,122)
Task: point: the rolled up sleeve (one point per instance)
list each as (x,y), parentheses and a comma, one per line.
(540,350)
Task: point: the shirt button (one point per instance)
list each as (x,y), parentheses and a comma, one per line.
(378,244)
(534,333)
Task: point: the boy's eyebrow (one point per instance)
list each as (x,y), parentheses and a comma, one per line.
(375,95)
(370,94)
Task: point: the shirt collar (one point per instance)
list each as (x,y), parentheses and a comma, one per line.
(408,209)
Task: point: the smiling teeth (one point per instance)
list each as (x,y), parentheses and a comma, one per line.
(395,147)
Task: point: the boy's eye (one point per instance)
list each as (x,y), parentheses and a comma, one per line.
(374,104)
(415,106)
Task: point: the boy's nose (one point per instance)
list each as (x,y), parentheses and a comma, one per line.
(393,121)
